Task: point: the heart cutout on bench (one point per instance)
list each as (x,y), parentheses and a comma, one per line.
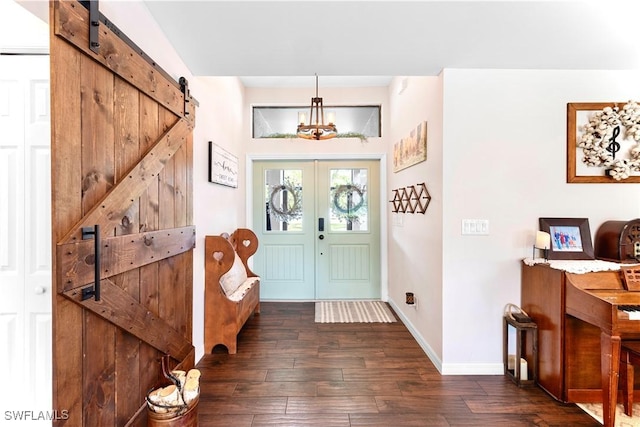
(218,255)
(246,243)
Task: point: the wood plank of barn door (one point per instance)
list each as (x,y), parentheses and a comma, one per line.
(66,209)
(182,170)
(169,268)
(189,220)
(149,199)
(98,172)
(127,153)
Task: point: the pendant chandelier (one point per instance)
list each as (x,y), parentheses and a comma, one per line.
(316,129)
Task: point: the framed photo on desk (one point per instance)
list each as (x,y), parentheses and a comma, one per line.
(570,238)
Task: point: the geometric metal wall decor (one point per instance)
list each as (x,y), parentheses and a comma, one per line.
(411,199)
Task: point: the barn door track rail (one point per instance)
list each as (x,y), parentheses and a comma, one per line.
(130,64)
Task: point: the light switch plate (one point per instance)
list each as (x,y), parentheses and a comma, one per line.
(475,227)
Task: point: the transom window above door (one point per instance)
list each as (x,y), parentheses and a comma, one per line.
(361,121)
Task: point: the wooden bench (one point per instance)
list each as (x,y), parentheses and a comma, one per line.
(232,290)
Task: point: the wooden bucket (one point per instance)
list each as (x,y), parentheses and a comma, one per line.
(185,418)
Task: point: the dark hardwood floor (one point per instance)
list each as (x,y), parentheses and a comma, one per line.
(291,371)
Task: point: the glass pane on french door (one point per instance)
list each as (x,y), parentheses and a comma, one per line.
(283,199)
(349,207)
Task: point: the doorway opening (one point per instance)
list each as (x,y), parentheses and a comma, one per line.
(319,223)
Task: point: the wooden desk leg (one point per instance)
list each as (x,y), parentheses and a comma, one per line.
(609,366)
(626,381)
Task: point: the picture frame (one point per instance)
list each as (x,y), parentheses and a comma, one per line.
(223,166)
(411,149)
(577,172)
(570,238)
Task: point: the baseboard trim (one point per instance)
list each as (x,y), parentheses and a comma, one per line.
(416,335)
(447,368)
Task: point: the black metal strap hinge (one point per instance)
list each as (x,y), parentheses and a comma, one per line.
(94,27)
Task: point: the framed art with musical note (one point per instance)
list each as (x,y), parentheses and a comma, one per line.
(223,166)
(602,146)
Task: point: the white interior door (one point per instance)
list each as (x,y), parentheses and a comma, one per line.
(25,233)
(311,248)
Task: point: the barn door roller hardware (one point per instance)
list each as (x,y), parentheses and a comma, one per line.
(94,27)
(93,291)
(184,87)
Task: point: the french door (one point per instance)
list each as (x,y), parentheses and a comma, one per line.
(319,229)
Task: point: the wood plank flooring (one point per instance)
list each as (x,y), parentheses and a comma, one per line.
(291,371)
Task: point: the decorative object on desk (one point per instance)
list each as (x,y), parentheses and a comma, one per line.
(411,149)
(316,129)
(618,241)
(631,277)
(411,199)
(570,238)
(622,420)
(543,243)
(223,166)
(608,136)
(353,312)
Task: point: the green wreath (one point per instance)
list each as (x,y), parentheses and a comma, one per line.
(345,204)
(292,209)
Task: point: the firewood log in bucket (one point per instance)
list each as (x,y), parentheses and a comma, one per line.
(174,405)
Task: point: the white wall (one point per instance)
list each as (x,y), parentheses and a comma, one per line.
(415,240)
(20,30)
(504,159)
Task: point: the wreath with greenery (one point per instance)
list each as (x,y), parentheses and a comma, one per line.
(292,208)
(598,140)
(348,200)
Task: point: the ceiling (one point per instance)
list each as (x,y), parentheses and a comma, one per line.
(361,43)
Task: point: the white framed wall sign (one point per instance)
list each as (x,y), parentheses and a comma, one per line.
(223,166)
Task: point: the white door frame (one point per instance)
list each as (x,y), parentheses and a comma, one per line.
(384,272)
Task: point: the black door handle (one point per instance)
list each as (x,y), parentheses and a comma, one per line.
(93,291)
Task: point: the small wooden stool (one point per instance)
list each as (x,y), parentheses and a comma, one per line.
(629,356)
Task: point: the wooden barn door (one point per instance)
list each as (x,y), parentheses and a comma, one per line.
(121,160)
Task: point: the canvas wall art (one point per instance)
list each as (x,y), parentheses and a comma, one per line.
(411,149)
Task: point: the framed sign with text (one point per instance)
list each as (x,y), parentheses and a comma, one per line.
(223,166)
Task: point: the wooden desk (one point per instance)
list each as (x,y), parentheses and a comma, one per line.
(579,332)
